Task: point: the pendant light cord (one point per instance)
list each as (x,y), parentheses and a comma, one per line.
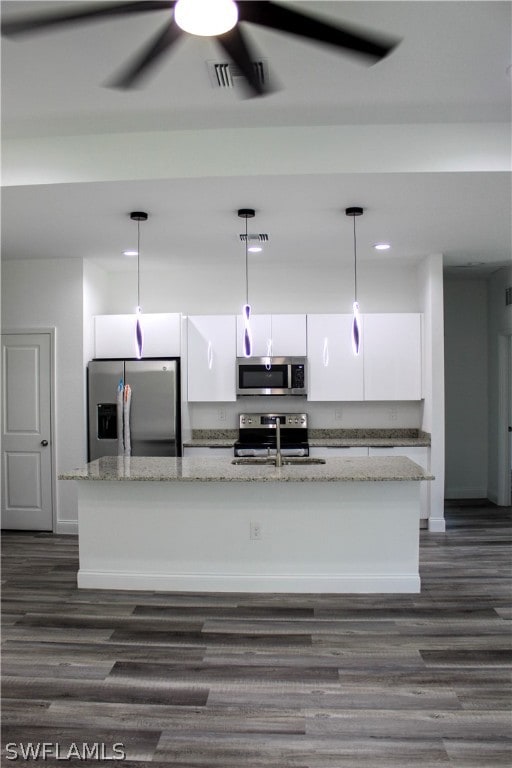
(246,265)
(355,260)
(138,263)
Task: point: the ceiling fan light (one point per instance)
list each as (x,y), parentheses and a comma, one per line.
(206,17)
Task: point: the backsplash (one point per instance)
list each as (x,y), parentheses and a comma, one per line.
(386,432)
(346,415)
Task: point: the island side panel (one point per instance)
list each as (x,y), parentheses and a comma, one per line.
(332,537)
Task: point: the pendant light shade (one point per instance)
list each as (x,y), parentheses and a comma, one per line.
(138,216)
(246,213)
(355,211)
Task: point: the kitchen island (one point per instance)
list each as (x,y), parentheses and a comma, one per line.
(200,524)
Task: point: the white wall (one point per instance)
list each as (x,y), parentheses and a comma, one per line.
(466,382)
(272,288)
(431,287)
(500,330)
(96,302)
(42,293)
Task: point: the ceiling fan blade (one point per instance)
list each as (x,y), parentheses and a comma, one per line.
(285,19)
(140,65)
(235,45)
(27,24)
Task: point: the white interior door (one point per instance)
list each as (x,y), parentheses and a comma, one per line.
(26,432)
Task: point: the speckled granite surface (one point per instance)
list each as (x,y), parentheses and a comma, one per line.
(222,470)
(333,438)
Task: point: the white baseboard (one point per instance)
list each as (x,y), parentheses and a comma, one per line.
(67,527)
(229,582)
(465,493)
(437,525)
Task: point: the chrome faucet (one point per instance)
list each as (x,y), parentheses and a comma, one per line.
(279,458)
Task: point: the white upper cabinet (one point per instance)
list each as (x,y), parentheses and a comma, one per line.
(334,372)
(261,333)
(211,358)
(391,345)
(274,335)
(114,335)
(289,337)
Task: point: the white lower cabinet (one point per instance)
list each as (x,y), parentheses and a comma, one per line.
(211,452)
(211,358)
(325,451)
(419,454)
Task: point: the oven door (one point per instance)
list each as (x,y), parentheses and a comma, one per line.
(255,377)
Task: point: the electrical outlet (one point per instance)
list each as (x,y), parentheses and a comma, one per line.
(255,530)
(221,413)
(393,414)
(338,414)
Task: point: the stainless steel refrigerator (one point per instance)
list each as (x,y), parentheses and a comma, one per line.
(154,413)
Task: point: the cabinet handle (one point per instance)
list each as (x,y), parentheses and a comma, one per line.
(268,364)
(325,353)
(209,354)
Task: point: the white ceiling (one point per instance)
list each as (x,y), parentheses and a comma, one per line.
(417,140)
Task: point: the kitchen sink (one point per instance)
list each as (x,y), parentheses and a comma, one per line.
(263,460)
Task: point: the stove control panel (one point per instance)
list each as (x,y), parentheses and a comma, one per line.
(268,420)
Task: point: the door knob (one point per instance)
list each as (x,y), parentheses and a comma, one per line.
(44,442)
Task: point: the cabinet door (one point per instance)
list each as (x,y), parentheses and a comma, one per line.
(211,358)
(334,372)
(325,451)
(162,334)
(288,333)
(114,335)
(392,356)
(210,452)
(285,333)
(261,332)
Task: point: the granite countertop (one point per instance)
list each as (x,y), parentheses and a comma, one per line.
(222,470)
(330,438)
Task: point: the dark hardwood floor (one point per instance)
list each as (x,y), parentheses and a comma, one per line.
(300,681)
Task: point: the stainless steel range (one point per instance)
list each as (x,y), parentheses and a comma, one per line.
(259,432)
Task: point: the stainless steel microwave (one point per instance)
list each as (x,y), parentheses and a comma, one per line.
(271,376)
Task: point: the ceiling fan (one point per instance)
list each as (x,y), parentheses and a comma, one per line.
(186,15)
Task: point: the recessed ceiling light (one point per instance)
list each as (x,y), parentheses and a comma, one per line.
(382,246)
(255,249)
(130,253)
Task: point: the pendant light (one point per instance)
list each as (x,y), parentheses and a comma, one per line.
(138,216)
(355,211)
(246,213)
